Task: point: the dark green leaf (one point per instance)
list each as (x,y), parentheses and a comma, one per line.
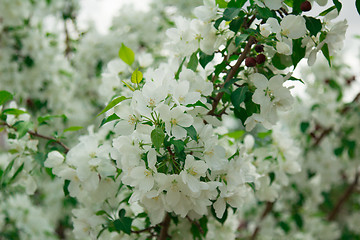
(236,3)
(298,52)
(313,25)
(205,59)
(157,137)
(16,173)
(42,119)
(296,6)
(281,61)
(177,74)
(284,226)
(109,119)
(235,24)
(304,126)
(193,62)
(323,13)
(126,54)
(272,177)
(218,22)
(298,220)
(198,104)
(240,39)
(238,96)
(231,13)
(357,5)
(325,51)
(252,185)
(112,104)
(191,132)
(5,96)
(179,145)
(338,5)
(264,13)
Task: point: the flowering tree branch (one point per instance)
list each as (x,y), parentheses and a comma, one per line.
(165,227)
(36,134)
(267,210)
(232,73)
(342,200)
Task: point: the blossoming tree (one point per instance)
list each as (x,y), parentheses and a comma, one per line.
(200,136)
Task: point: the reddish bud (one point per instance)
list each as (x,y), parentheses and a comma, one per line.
(260,58)
(259,48)
(250,62)
(305,6)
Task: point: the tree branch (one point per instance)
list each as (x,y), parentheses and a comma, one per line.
(165,227)
(36,134)
(232,73)
(267,210)
(342,200)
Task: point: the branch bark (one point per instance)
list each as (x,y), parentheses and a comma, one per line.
(165,227)
(267,210)
(36,134)
(343,199)
(232,73)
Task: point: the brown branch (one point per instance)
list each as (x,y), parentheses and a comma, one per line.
(321,137)
(36,134)
(267,210)
(165,227)
(196,224)
(67,40)
(232,73)
(342,200)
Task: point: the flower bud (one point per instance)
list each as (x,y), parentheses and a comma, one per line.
(260,58)
(259,48)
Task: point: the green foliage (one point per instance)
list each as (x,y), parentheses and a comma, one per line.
(157,137)
(126,54)
(112,104)
(193,62)
(205,59)
(313,25)
(136,76)
(191,132)
(5,96)
(231,13)
(122,224)
(323,13)
(72,129)
(109,119)
(237,3)
(298,52)
(238,96)
(338,5)
(304,126)
(241,38)
(357,5)
(22,128)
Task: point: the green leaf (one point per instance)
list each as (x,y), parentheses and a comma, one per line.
(313,25)
(16,173)
(72,129)
(193,62)
(157,137)
(236,23)
(272,177)
(238,96)
(325,51)
(177,74)
(205,59)
(109,119)
(296,6)
(237,3)
(122,224)
(357,5)
(241,38)
(136,76)
(22,128)
(304,126)
(263,135)
(231,13)
(179,145)
(7,170)
(281,61)
(198,104)
(112,104)
(264,13)
(191,132)
(338,5)
(42,119)
(323,13)
(14,111)
(298,52)
(221,3)
(236,134)
(5,96)
(126,54)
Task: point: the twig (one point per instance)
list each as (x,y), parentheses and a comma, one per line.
(143,230)
(267,210)
(165,227)
(232,73)
(196,224)
(67,40)
(352,187)
(36,134)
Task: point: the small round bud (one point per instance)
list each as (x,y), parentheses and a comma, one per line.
(260,58)
(259,48)
(305,6)
(250,62)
